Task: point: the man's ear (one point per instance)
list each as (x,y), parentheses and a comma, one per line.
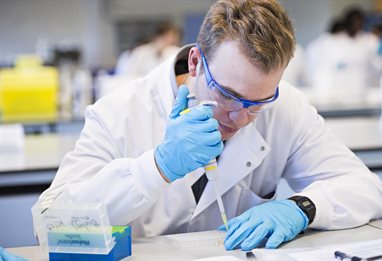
(194,61)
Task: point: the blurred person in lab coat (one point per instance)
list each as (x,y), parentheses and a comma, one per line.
(342,64)
(377,31)
(143,58)
(314,55)
(144,160)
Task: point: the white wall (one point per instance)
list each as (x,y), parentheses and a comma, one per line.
(82,22)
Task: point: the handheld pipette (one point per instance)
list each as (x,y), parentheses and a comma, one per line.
(212,174)
(211,168)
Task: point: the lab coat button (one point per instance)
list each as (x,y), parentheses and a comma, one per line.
(262,148)
(248,164)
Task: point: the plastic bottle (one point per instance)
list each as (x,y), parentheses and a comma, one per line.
(82,92)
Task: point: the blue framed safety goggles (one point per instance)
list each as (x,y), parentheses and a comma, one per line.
(229,101)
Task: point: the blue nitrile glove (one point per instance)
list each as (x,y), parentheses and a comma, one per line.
(191,140)
(279,221)
(5,255)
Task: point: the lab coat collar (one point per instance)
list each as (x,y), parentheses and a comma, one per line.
(241,155)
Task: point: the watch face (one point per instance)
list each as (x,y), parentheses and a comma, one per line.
(306,206)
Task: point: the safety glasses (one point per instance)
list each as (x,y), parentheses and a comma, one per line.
(228,101)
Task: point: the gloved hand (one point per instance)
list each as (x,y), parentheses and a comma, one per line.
(5,255)
(279,221)
(191,140)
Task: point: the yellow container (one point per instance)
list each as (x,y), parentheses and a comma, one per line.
(28,94)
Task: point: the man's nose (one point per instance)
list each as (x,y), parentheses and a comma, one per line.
(239,117)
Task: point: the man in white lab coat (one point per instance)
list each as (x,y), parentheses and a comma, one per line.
(144,160)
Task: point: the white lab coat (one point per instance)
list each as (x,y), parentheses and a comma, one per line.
(342,67)
(142,59)
(113,162)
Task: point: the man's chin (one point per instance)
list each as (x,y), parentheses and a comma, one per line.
(226,135)
(226,132)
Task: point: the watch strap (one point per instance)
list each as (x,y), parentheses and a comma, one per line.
(306,205)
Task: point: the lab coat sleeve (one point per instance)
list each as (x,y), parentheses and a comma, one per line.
(96,171)
(321,167)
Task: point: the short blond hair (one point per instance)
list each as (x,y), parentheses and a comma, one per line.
(261,28)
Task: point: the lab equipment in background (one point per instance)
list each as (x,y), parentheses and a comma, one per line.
(43,48)
(76,84)
(82,92)
(28,92)
(12,151)
(12,138)
(70,231)
(65,95)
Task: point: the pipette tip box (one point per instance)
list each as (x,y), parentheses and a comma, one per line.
(121,249)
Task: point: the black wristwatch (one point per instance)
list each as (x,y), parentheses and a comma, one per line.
(306,205)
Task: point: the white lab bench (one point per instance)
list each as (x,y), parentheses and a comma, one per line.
(330,104)
(363,135)
(23,176)
(42,153)
(155,248)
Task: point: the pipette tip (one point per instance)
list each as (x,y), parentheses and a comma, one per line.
(224,218)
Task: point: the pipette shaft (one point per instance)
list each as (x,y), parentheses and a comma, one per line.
(211,168)
(212,174)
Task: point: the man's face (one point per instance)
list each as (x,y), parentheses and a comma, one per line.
(232,71)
